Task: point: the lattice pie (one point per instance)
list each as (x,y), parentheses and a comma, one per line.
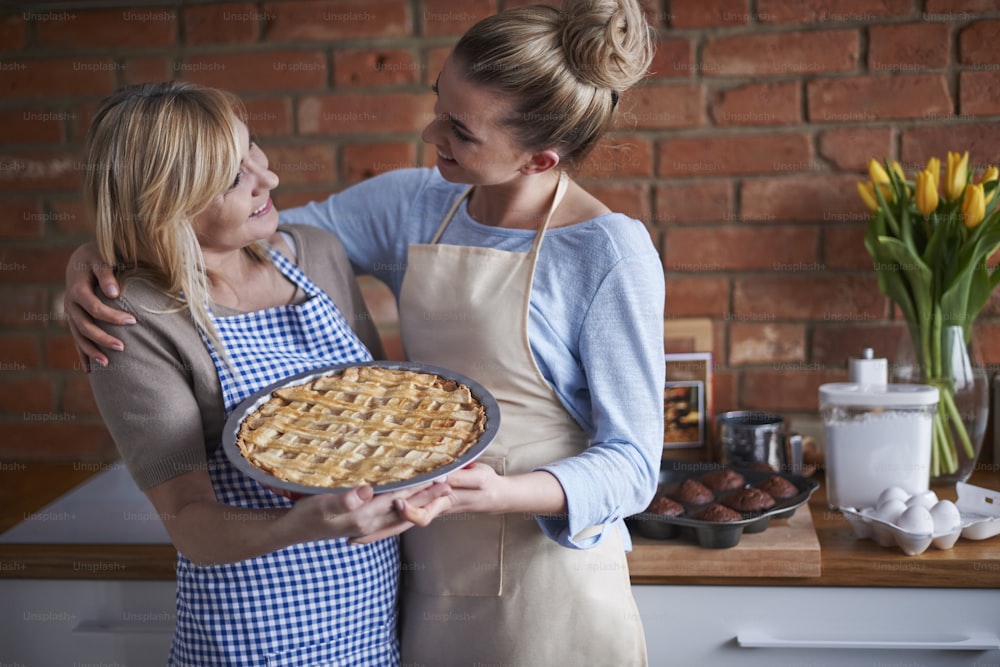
(362,425)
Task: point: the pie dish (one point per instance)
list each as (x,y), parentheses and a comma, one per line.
(386,424)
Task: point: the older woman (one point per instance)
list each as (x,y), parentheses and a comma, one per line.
(224,304)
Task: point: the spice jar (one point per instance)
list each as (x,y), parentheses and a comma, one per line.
(877,435)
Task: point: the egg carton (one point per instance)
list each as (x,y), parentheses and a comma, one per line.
(978,508)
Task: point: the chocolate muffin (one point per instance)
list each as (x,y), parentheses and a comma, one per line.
(723,480)
(693,492)
(778,487)
(719,513)
(760,466)
(749,500)
(665,507)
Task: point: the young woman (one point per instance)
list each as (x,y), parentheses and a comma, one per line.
(509,272)
(224,304)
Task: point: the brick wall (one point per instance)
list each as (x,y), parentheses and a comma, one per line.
(743,150)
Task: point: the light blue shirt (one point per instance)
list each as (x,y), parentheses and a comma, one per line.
(595,327)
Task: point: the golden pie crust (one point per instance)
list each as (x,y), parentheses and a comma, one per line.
(362,425)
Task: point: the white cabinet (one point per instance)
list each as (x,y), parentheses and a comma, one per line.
(819,627)
(56,623)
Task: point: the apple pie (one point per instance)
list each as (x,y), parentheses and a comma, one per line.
(362,425)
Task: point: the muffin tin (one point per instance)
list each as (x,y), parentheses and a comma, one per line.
(979,509)
(715,534)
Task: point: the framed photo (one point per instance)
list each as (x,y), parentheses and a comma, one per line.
(687,410)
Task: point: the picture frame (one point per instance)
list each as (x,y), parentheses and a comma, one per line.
(687,392)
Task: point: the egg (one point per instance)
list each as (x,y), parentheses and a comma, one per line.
(924,499)
(890,493)
(946,517)
(917,520)
(890,510)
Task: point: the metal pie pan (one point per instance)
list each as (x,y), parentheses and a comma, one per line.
(294,490)
(716,534)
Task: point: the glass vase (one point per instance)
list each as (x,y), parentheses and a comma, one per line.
(960,421)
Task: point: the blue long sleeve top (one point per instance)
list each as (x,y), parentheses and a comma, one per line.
(595,327)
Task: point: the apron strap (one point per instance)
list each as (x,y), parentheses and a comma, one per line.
(450,214)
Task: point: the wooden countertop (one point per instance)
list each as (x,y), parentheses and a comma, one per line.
(845,560)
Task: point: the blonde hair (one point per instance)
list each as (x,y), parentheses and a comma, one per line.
(157,155)
(565,69)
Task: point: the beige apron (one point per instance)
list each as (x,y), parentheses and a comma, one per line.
(493,589)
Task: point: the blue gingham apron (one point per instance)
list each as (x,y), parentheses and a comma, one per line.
(318,603)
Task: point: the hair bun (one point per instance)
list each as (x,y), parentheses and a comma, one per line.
(607,43)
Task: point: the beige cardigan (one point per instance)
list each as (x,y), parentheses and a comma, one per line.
(161,398)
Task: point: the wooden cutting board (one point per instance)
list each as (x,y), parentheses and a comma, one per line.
(788,548)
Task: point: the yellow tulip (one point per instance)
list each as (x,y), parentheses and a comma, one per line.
(973,205)
(956,175)
(877,172)
(898,168)
(867,192)
(991,174)
(934,169)
(926,195)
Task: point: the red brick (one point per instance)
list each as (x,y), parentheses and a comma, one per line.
(988,343)
(18,354)
(725,155)
(12,32)
(150,68)
(631,199)
(32,125)
(944,10)
(301,197)
(908,47)
(781,54)
(40,171)
(758,104)
(21,219)
(21,306)
(374,67)
(674,57)
(619,156)
(864,99)
(128,27)
(834,344)
(844,247)
(830,298)
(830,11)
(685,203)
(435,59)
(661,107)
(710,249)
(977,43)
(364,114)
(310,20)
(979,93)
(303,165)
(58,76)
(709,13)
(269,116)
(23,393)
(257,71)
(446,17)
(850,148)
(60,353)
(362,161)
(784,389)
(818,198)
(35,265)
(68,217)
(752,343)
(78,398)
(55,436)
(222,23)
(697,296)
(724,391)
(982,140)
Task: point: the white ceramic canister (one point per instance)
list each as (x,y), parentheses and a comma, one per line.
(876,436)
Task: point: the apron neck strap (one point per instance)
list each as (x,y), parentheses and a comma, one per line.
(560,192)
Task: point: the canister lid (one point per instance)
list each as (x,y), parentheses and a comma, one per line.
(883,396)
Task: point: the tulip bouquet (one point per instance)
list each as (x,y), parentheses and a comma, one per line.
(931,242)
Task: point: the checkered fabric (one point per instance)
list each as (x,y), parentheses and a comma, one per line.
(319,603)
